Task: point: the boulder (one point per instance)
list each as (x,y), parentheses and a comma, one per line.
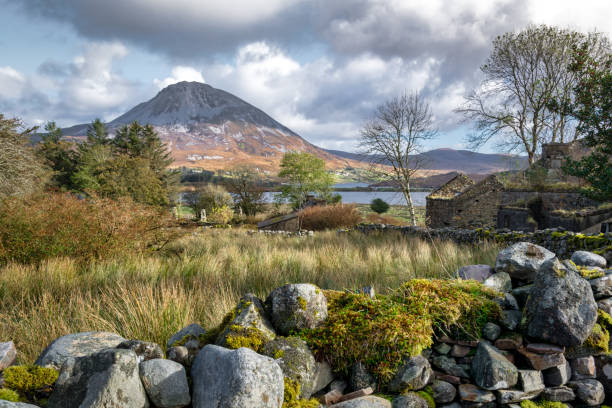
(296,307)
(585,258)
(165,382)
(443,392)
(235,379)
(368,401)
(413,375)
(449,366)
(583,367)
(531,380)
(601,287)
(558,394)
(145,350)
(108,378)
(491,331)
(77,345)
(499,282)
(559,375)
(409,400)
(590,392)
(471,393)
(511,319)
(475,272)
(8,354)
(296,360)
(249,319)
(491,370)
(361,378)
(522,260)
(193,331)
(561,308)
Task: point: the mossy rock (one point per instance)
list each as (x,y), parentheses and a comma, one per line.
(296,360)
(292,396)
(30,382)
(247,326)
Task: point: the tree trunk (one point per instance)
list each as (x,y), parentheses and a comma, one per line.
(408,197)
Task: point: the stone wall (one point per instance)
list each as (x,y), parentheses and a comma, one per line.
(551,200)
(289,222)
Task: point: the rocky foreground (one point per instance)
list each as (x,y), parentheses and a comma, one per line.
(544,337)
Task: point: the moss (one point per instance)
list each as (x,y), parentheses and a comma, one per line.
(590,273)
(302,302)
(558,271)
(381,332)
(427,397)
(248,337)
(292,399)
(9,395)
(542,404)
(26,378)
(279,354)
(598,339)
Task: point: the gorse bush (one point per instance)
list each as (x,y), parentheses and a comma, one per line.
(379,206)
(324,217)
(62,225)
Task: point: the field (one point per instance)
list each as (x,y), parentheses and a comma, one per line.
(199,277)
(399,212)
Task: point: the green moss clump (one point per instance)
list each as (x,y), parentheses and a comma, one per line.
(542,404)
(302,302)
(590,273)
(598,339)
(9,395)
(279,354)
(27,378)
(248,337)
(381,332)
(292,399)
(427,396)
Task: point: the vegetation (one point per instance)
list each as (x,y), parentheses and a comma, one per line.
(212,198)
(322,217)
(381,332)
(243,185)
(305,175)
(394,137)
(379,206)
(200,277)
(21,173)
(29,381)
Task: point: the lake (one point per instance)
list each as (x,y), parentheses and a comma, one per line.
(366,197)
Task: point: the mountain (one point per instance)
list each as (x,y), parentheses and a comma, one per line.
(449,160)
(213,129)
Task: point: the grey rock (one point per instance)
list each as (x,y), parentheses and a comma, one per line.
(507,302)
(296,360)
(368,401)
(413,375)
(471,393)
(409,400)
(558,394)
(491,370)
(235,379)
(601,287)
(449,366)
(604,373)
(475,272)
(590,392)
(361,378)
(8,354)
(511,319)
(540,361)
(491,331)
(451,405)
(442,348)
(324,375)
(179,354)
(583,368)
(585,258)
(509,341)
(165,382)
(108,378)
(443,392)
(605,305)
(368,291)
(531,380)
(9,404)
(513,396)
(460,351)
(194,331)
(249,315)
(145,350)
(339,385)
(561,308)
(296,307)
(557,376)
(521,294)
(499,281)
(522,260)
(76,345)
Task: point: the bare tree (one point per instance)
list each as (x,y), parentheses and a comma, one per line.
(393,139)
(248,195)
(525,72)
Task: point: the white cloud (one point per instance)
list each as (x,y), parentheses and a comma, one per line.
(11,82)
(584,15)
(180,73)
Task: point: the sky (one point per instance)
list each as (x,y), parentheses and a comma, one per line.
(319,67)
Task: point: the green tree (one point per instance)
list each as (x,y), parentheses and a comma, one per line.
(211,197)
(61,156)
(248,195)
(593,110)
(379,206)
(97,133)
(305,174)
(21,172)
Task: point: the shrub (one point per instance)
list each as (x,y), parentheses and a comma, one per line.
(379,206)
(329,216)
(212,196)
(62,225)
(220,215)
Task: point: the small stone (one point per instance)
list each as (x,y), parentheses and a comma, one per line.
(471,393)
(542,361)
(361,378)
(368,291)
(585,258)
(409,400)
(558,394)
(491,331)
(604,372)
(521,294)
(583,367)
(510,319)
(605,305)
(475,272)
(296,307)
(590,392)
(500,282)
(512,396)
(509,341)
(491,370)
(449,366)
(413,375)
(531,380)
(460,351)
(507,302)
(447,377)
(8,354)
(179,354)
(452,405)
(442,348)
(194,331)
(601,287)
(339,385)
(543,348)
(443,392)
(323,376)
(522,260)
(559,375)
(369,401)
(9,404)
(165,382)
(145,350)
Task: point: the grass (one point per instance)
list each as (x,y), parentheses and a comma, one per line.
(399,212)
(200,277)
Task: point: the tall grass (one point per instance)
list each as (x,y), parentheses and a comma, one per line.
(200,277)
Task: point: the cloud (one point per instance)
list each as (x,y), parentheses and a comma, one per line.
(180,73)
(11,82)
